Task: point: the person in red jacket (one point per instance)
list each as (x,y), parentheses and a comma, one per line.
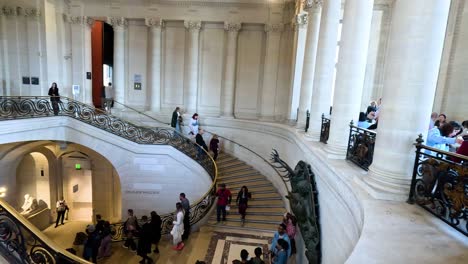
(462,150)
(224,198)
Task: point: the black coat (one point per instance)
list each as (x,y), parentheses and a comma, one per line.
(174,119)
(144,243)
(200,141)
(54,94)
(156,229)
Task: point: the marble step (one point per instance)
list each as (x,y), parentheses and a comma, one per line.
(269,207)
(227,160)
(240,178)
(244,180)
(248,226)
(268,219)
(238,168)
(229,164)
(263,201)
(241,173)
(265,185)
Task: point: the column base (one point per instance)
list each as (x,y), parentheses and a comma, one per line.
(267,118)
(336,152)
(386,186)
(300,126)
(227,116)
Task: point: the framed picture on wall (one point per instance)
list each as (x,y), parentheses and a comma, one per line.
(35,80)
(26,80)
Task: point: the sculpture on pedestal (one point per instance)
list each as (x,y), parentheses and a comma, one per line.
(29,205)
(303,199)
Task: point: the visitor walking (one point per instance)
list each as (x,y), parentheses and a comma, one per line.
(156,228)
(224,198)
(104,231)
(144,242)
(201,144)
(130,229)
(186,205)
(176,119)
(178,228)
(194,125)
(91,245)
(214,146)
(242,200)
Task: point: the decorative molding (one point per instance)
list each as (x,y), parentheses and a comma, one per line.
(32,12)
(75,20)
(232,26)
(312,4)
(218,4)
(301,19)
(11,11)
(117,22)
(87,21)
(274,28)
(192,26)
(154,22)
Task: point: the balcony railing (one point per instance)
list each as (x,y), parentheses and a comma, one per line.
(360,146)
(21,242)
(23,107)
(440,185)
(325,129)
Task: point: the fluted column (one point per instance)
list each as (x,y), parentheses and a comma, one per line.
(155,26)
(228,94)
(313,8)
(88,63)
(325,66)
(270,71)
(119,24)
(417,31)
(350,73)
(299,25)
(192,65)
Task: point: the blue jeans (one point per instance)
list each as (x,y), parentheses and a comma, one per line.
(220,209)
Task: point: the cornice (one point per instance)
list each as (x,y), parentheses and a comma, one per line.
(79,20)
(217,4)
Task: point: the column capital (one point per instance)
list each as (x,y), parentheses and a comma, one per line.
(117,22)
(11,11)
(154,22)
(79,20)
(192,25)
(312,4)
(274,28)
(232,26)
(301,20)
(32,12)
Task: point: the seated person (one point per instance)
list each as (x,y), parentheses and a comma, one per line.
(363,121)
(440,137)
(462,150)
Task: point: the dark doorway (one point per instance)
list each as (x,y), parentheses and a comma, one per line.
(102,43)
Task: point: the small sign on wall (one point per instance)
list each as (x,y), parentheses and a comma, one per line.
(26,80)
(35,80)
(137,81)
(88,75)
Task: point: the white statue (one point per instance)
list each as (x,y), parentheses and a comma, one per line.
(29,204)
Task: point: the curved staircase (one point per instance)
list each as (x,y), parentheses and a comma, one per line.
(266,208)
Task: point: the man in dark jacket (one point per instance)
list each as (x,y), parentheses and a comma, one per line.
(156,228)
(175,121)
(201,143)
(144,243)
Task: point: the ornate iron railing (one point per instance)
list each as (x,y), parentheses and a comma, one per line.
(23,107)
(325,129)
(361,146)
(440,185)
(21,242)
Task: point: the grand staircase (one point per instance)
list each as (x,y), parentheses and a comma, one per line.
(265,209)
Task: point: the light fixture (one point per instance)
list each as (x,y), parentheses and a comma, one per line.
(3,191)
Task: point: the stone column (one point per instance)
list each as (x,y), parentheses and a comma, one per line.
(87,60)
(270,71)
(350,73)
(313,8)
(299,25)
(192,66)
(323,77)
(155,25)
(119,24)
(228,94)
(417,31)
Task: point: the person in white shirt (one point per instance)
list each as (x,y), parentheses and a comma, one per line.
(61,209)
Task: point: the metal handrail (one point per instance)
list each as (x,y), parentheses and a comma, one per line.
(25,243)
(234,142)
(361,143)
(18,107)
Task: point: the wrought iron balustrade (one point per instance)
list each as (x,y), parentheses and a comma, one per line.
(23,107)
(440,185)
(21,242)
(325,129)
(361,145)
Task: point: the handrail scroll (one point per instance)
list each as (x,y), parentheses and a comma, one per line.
(440,185)
(22,107)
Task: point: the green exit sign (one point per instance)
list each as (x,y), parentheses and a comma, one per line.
(77,166)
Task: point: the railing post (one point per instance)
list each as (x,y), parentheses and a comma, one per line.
(349,138)
(418,145)
(307,121)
